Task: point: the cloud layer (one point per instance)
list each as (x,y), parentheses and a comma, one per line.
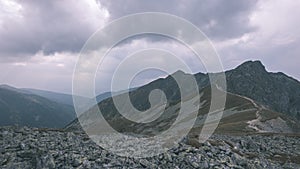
(42,39)
(28,27)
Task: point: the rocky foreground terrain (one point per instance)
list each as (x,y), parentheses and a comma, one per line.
(45,148)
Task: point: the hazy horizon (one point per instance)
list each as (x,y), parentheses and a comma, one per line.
(137,85)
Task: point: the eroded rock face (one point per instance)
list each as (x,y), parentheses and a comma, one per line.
(36,148)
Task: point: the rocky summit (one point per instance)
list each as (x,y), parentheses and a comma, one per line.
(45,148)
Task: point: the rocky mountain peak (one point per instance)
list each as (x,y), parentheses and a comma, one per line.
(179,73)
(256,66)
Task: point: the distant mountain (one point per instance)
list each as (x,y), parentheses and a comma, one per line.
(251,105)
(62,97)
(20,107)
(40,108)
(106,95)
(54,96)
(7,87)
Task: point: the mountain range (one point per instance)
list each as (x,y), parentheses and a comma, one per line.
(39,108)
(257,101)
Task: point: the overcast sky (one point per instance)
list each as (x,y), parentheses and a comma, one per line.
(40,40)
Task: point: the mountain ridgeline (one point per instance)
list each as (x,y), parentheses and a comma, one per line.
(257,101)
(275,96)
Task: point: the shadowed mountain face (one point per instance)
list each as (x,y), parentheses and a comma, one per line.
(24,109)
(277,91)
(254,98)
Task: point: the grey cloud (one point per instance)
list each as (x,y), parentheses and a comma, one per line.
(47,26)
(219,19)
(56,26)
